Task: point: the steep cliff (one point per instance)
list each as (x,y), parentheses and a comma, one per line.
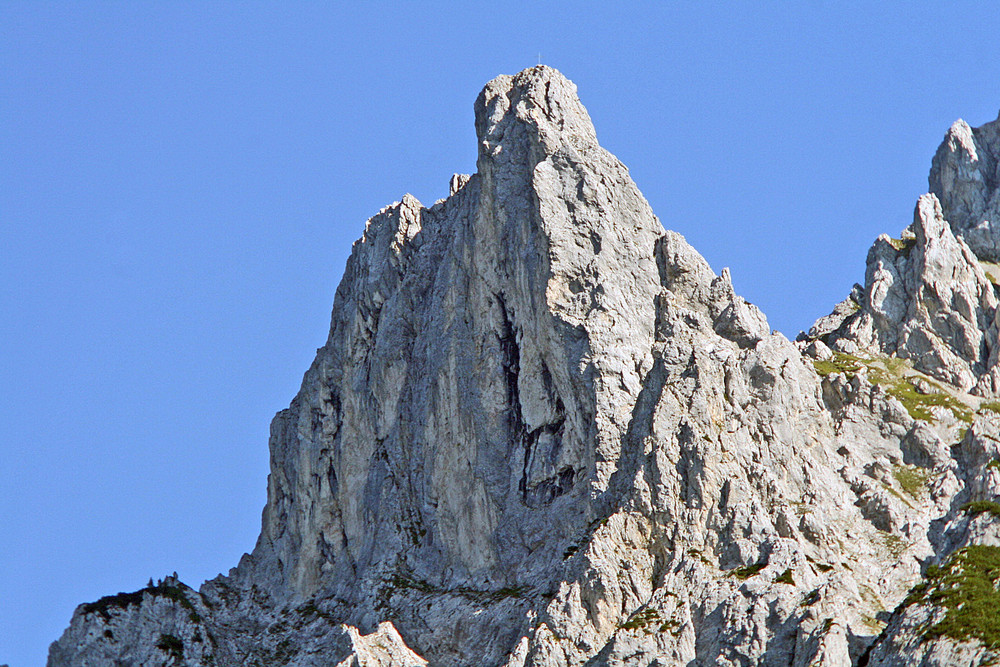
(543,432)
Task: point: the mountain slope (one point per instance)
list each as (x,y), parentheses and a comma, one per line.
(543,432)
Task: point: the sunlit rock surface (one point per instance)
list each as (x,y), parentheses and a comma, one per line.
(544,432)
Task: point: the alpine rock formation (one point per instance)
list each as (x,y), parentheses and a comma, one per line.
(542,432)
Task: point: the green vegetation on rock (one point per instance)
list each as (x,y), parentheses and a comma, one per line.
(919,404)
(310,609)
(840,363)
(748,571)
(981,507)
(106,604)
(911,479)
(890,374)
(671,625)
(903,245)
(641,619)
(403,582)
(966,587)
(172,646)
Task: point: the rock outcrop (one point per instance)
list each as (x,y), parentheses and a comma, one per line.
(927,299)
(930,296)
(544,432)
(965,176)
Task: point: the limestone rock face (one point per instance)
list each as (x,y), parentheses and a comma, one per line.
(923,631)
(544,432)
(928,299)
(930,296)
(965,176)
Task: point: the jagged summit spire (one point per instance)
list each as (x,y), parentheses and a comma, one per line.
(539,98)
(965,176)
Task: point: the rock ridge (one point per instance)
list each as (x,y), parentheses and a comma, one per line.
(543,432)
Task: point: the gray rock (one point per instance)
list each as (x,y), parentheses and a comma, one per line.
(543,432)
(965,176)
(926,299)
(930,296)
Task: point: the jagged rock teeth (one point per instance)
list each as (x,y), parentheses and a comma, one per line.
(542,432)
(929,296)
(965,176)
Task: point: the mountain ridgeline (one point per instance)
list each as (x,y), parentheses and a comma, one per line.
(542,432)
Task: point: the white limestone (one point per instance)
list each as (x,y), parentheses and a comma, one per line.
(543,432)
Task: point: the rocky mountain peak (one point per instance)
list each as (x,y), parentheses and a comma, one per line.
(965,176)
(543,432)
(930,296)
(538,106)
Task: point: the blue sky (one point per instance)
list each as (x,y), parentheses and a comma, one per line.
(180,185)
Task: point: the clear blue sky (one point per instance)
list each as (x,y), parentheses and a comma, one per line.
(180,185)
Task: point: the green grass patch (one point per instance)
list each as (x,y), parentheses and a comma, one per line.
(310,609)
(495,595)
(981,507)
(840,363)
(785,578)
(919,404)
(888,372)
(748,571)
(995,463)
(911,479)
(903,245)
(506,592)
(402,582)
(641,619)
(992,406)
(966,587)
(671,625)
(888,487)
